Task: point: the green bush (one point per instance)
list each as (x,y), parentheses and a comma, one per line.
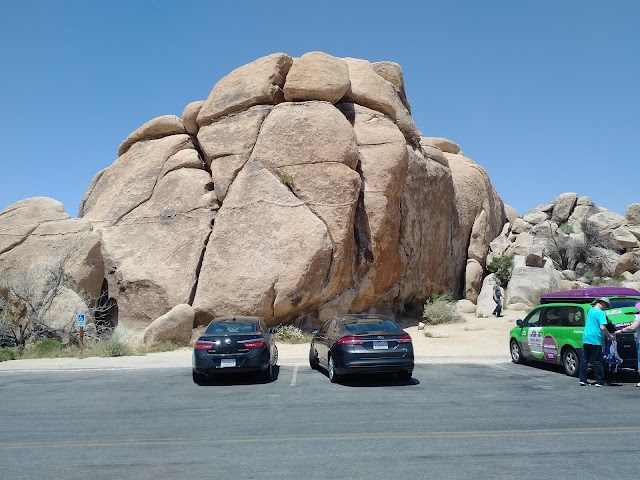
(440,309)
(501,267)
(7,354)
(49,348)
(115,347)
(291,334)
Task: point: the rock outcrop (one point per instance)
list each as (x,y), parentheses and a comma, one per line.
(298,188)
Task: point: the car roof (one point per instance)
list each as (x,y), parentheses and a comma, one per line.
(590,293)
(360,317)
(239,318)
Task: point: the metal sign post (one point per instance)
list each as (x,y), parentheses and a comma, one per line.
(81,322)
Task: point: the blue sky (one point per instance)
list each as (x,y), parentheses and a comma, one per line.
(544,94)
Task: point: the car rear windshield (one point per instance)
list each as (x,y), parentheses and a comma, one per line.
(231,327)
(371,326)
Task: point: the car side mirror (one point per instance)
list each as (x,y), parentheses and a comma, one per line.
(314,331)
(519,323)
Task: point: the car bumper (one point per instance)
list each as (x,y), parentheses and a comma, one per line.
(353,364)
(212,363)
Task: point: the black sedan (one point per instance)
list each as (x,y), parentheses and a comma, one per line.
(233,345)
(348,344)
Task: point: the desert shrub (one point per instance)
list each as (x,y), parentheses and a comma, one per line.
(291,334)
(115,347)
(49,348)
(164,346)
(439,309)
(501,266)
(7,354)
(287,179)
(607,282)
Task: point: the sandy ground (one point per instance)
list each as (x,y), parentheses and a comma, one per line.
(477,340)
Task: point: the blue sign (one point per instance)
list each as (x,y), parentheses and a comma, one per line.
(82,320)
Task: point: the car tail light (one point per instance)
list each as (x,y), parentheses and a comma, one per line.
(404,339)
(351,341)
(204,345)
(254,343)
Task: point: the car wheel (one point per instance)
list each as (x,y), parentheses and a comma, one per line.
(267,374)
(516,352)
(571,362)
(313,359)
(333,376)
(198,378)
(406,375)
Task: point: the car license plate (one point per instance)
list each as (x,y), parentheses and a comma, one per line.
(227,362)
(377,345)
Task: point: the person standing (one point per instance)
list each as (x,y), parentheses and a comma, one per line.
(595,331)
(497,297)
(634,328)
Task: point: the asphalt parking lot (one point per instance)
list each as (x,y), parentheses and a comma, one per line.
(449,421)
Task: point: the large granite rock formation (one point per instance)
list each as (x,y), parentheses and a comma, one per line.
(300,187)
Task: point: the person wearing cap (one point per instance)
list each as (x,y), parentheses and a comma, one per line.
(633,328)
(595,330)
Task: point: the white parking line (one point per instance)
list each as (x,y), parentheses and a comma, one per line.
(295,376)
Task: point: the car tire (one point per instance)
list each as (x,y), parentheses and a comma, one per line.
(570,362)
(331,371)
(267,374)
(516,352)
(313,359)
(198,378)
(406,375)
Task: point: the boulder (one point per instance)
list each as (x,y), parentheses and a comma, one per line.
(189,115)
(584,201)
(570,275)
(511,213)
(473,280)
(159,127)
(627,262)
(392,73)
(535,257)
(544,230)
(499,245)
(519,226)
(175,326)
(580,214)
(283,274)
(535,216)
(465,306)
(627,276)
(521,246)
(154,208)
(370,90)
(227,144)
(257,83)
(432,152)
(317,76)
(478,241)
(607,221)
(625,238)
(527,283)
(563,206)
(636,276)
(443,144)
(519,307)
(633,214)
(485,304)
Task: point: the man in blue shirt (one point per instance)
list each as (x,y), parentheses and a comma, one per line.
(595,329)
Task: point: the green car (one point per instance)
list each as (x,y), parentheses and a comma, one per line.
(552,331)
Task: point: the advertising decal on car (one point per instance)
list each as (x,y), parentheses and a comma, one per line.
(535,340)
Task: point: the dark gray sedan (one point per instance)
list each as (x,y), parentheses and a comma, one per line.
(354,344)
(234,345)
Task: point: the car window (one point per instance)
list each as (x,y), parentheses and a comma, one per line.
(533,319)
(572,317)
(325,328)
(231,327)
(623,302)
(371,326)
(551,317)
